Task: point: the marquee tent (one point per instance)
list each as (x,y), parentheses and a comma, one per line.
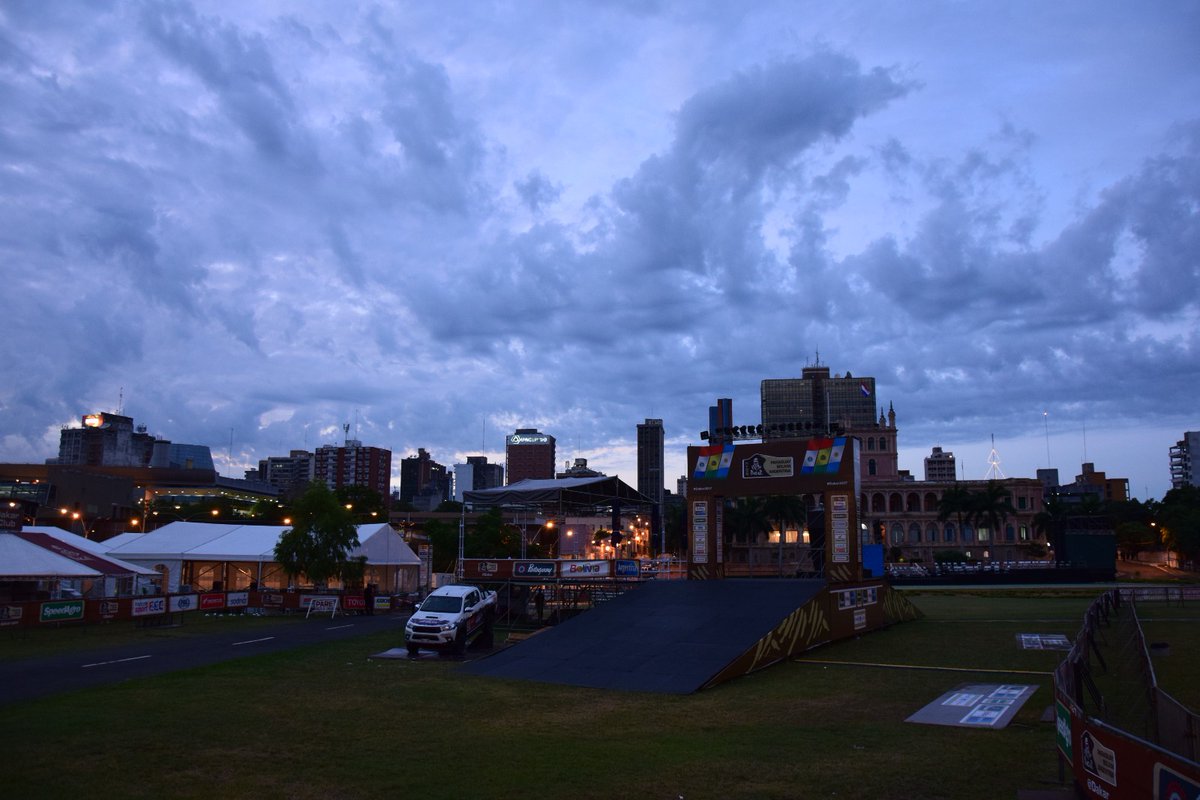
(235,556)
(88,552)
(22,560)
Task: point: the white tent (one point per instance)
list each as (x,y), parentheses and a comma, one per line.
(92,546)
(24,561)
(197,548)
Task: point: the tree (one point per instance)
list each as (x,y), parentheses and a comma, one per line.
(745,519)
(1179,520)
(364,502)
(319,542)
(784,509)
(990,508)
(955,502)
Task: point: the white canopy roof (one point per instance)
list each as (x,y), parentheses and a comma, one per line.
(22,560)
(78,542)
(214,541)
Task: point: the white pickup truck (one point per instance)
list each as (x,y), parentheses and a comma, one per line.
(450,618)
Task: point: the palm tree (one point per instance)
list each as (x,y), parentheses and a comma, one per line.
(990,508)
(784,509)
(954,502)
(745,519)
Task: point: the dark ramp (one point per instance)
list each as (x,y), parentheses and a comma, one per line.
(665,636)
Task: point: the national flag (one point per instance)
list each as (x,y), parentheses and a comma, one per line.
(862,387)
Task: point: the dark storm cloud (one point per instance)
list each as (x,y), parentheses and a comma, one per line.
(239,70)
(438,224)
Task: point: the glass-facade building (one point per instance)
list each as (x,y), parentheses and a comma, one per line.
(815,402)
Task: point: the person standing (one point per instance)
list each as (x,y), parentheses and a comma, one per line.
(539,601)
(369,599)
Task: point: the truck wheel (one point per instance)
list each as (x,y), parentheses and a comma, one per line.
(460,642)
(487,638)
(413,650)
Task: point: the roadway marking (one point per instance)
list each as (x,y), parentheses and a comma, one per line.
(117,661)
(919,666)
(254,641)
(339,627)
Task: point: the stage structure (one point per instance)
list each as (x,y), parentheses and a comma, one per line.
(683,636)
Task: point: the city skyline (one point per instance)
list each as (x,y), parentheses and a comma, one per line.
(247,226)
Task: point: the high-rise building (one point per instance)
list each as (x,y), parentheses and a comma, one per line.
(818,404)
(476,474)
(528,453)
(289,474)
(111,440)
(1182,456)
(720,419)
(815,403)
(651,439)
(418,473)
(354,465)
(940,466)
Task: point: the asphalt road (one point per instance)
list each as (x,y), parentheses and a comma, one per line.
(39,677)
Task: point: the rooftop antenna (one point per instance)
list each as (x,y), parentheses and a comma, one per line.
(346,432)
(994,472)
(121,401)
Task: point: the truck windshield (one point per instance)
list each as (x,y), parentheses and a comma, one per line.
(442,604)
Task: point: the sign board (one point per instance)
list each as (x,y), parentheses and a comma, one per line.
(11,519)
(320,604)
(211,600)
(61,611)
(535,569)
(587,569)
(237,599)
(184,602)
(976,706)
(145,606)
(626,568)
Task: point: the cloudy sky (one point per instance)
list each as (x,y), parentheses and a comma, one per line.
(247,224)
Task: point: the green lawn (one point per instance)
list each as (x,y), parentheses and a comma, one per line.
(330,722)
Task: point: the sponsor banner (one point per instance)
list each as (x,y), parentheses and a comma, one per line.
(383,603)
(210,601)
(588,569)
(857,598)
(10,519)
(272,599)
(109,609)
(534,569)
(1097,759)
(1062,733)
(11,614)
(184,602)
(529,438)
(144,606)
(627,568)
(764,466)
(61,610)
(1169,784)
(237,599)
(860,619)
(320,601)
(354,602)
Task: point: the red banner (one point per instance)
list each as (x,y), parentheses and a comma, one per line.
(209,601)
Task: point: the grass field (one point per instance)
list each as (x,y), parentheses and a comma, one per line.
(330,722)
